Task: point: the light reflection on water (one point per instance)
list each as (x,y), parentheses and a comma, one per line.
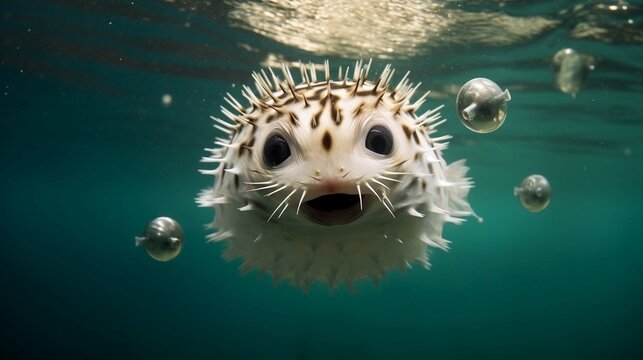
(381,29)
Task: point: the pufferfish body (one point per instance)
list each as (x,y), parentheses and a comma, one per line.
(332,181)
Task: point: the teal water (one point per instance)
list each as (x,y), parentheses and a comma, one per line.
(89,155)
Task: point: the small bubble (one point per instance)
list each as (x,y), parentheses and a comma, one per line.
(534,193)
(166,99)
(163,239)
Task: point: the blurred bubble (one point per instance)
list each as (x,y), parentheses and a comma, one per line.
(571,69)
(534,193)
(166,99)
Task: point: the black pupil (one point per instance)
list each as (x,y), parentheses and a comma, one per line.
(276,150)
(379,140)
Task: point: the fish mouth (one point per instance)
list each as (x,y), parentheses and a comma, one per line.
(336,209)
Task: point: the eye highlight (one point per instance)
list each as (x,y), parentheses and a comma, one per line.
(379,140)
(275,150)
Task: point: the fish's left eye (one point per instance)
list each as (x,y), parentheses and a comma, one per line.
(379,140)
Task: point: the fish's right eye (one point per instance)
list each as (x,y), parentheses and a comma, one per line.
(275,150)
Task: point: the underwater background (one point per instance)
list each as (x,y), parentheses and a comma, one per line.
(90,153)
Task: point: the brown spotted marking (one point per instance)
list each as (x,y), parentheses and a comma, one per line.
(407,131)
(378,101)
(416,137)
(293,119)
(314,122)
(358,110)
(327,141)
(335,113)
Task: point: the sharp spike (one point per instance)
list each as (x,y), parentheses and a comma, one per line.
(346,75)
(428,121)
(327,70)
(313,72)
(389,77)
(227,145)
(275,79)
(302,72)
(373,191)
(303,194)
(276,191)
(379,99)
(258,182)
(306,77)
(388,178)
(421,100)
(282,202)
(368,68)
(265,78)
(380,183)
(314,122)
(209,159)
(264,187)
(442,138)
(263,86)
(286,71)
(209,172)
(282,211)
(389,202)
(234,117)
(429,113)
(292,91)
(225,130)
(283,89)
(222,122)
(376,86)
(415,213)
(433,126)
(233,102)
(356,71)
(399,173)
(403,81)
(359,193)
(247,207)
(355,87)
(409,94)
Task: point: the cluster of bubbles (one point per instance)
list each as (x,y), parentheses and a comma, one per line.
(481,106)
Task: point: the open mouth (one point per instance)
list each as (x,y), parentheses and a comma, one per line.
(335,209)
